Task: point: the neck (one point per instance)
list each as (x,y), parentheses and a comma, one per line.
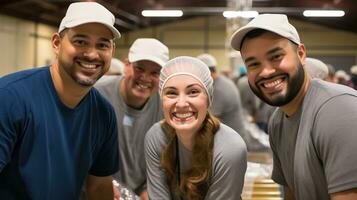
(69,92)
(290,108)
(187,139)
(129,99)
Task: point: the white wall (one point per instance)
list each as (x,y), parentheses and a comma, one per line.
(24,44)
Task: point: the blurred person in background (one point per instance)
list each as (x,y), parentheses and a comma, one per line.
(353,80)
(57,133)
(256,110)
(190,154)
(136,102)
(226,104)
(313,132)
(316,68)
(331,74)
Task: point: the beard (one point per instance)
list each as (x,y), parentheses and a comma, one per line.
(295,82)
(70,70)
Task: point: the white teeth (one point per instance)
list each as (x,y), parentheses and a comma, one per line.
(183,115)
(88,66)
(272,84)
(143,86)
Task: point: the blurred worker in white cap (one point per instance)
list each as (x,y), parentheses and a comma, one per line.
(353,79)
(313,150)
(57,133)
(316,68)
(226,104)
(137,107)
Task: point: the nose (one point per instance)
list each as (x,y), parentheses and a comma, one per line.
(91,53)
(182,101)
(267,70)
(145,77)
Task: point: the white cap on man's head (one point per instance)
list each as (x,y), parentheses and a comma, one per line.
(149,49)
(208,59)
(88,12)
(276,23)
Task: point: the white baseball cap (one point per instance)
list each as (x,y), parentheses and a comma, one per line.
(316,68)
(149,49)
(88,12)
(276,23)
(208,59)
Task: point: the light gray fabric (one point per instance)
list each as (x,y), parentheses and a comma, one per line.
(250,102)
(132,127)
(189,66)
(227,104)
(229,164)
(325,151)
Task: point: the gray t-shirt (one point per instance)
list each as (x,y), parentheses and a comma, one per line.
(132,127)
(316,156)
(228,167)
(227,104)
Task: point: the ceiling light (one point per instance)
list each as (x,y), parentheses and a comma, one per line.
(162,13)
(244,14)
(324,13)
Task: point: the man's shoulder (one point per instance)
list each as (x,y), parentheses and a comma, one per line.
(22,77)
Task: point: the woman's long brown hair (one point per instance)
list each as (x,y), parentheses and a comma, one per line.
(194,181)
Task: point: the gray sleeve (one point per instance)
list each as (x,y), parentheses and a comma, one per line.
(277,173)
(335,136)
(229,167)
(156,181)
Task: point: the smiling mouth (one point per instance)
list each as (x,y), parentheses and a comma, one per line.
(183,116)
(89,65)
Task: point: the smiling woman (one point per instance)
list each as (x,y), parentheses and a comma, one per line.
(190,154)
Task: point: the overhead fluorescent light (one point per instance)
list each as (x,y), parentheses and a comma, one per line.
(324,13)
(162,13)
(244,14)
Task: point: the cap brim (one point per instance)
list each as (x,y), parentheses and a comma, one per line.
(116,33)
(135,58)
(237,37)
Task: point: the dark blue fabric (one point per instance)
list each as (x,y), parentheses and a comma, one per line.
(46,148)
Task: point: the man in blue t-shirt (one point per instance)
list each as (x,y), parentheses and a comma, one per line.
(57,133)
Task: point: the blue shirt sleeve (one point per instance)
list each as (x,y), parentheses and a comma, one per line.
(10,123)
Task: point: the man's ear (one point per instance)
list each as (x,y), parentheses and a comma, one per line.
(301,51)
(56,42)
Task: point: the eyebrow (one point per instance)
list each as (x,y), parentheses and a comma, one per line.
(272,51)
(102,39)
(189,86)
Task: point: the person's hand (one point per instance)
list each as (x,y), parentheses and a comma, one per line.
(144,195)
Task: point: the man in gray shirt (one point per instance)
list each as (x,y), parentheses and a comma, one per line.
(313,132)
(226,103)
(136,101)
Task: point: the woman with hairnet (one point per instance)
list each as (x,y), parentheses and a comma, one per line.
(190,154)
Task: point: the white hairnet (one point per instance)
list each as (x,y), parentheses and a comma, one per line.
(316,68)
(188,66)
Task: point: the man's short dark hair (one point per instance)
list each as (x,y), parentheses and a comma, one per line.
(258,32)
